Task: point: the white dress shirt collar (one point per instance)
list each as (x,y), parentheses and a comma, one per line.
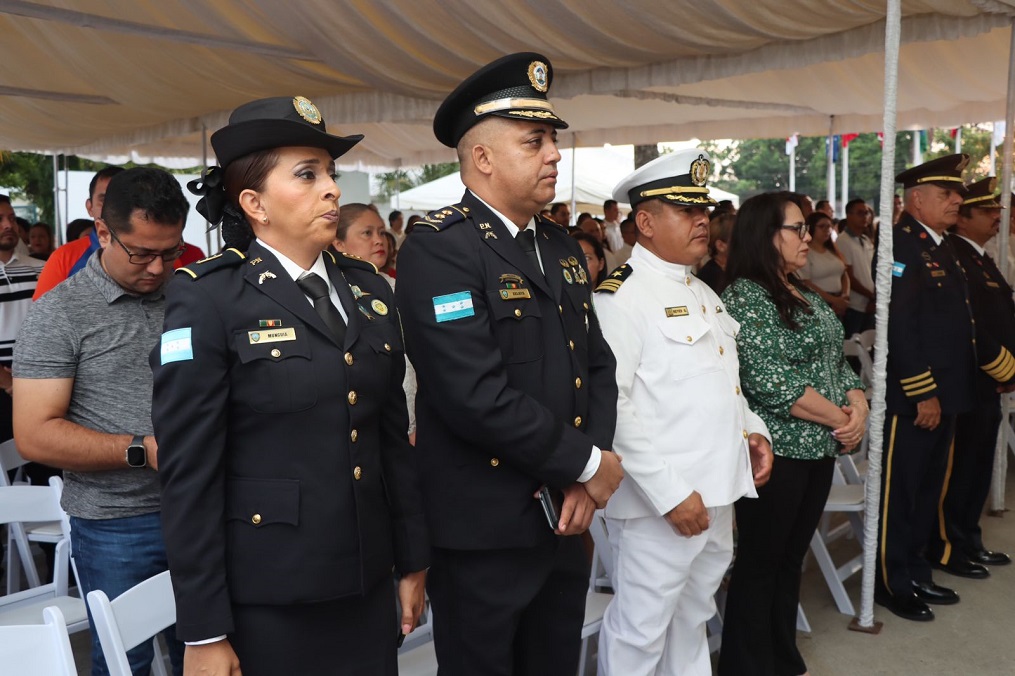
(979,249)
(677,271)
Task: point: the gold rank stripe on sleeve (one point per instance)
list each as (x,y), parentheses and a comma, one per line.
(1003,368)
(917,385)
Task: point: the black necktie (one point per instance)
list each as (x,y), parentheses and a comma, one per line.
(527,241)
(317,289)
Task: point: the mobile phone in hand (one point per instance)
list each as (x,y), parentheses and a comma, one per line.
(552,502)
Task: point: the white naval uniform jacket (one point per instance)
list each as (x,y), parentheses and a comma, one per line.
(682,420)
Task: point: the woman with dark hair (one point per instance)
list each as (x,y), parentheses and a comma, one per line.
(794,376)
(288,483)
(824,273)
(595,256)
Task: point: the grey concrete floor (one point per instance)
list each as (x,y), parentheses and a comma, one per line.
(974,638)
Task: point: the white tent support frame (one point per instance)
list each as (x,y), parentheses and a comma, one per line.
(1001,449)
(883,291)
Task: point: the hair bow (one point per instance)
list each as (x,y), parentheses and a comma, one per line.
(212,191)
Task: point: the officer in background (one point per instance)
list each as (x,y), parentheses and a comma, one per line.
(930,381)
(683,426)
(516,386)
(957,544)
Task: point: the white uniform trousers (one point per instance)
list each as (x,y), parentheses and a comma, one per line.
(665,586)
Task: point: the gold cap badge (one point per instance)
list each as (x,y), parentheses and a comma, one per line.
(307,110)
(379,307)
(700,169)
(537,76)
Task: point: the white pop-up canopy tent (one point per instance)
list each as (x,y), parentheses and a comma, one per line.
(147,79)
(595,174)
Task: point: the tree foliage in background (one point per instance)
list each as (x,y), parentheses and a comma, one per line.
(753,166)
(389,183)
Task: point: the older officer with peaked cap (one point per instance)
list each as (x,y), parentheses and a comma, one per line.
(684,429)
(288,483)
(516,386)
(956,544)
(931,364)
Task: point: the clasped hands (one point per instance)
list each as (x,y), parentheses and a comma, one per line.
(582,500)
(850,432)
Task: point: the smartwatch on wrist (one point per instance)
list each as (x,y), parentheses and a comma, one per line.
(137,456)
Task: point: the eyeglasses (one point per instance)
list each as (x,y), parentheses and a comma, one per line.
(147,258)
(800,228)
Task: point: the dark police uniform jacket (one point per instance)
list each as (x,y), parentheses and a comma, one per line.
(516,382)
(287,476)
(994,312)
(930,330)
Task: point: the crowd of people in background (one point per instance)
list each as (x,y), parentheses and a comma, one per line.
(679,367)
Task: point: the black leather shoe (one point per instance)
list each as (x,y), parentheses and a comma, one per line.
(906,607)
(928,592)
(963,568)
(989,558)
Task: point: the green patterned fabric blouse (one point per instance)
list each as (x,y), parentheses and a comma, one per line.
(776,364)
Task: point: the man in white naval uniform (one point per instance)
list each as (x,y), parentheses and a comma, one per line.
(691,445)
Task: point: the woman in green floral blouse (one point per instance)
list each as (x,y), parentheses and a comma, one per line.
(795,377)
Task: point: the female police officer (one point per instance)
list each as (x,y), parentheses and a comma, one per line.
(288,486)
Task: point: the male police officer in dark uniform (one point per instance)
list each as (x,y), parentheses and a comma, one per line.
(516,386)
(956,544)
(930,380)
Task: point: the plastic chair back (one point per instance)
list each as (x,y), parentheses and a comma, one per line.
(42,649)
(136,616)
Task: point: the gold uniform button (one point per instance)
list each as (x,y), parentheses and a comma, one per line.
(256,519)
(276,353)
(518,313)
(745,434)
(578,421)
(494,462)
(704,310)
(738,389)
(387,347)
(560,309)
(585,305)
(690,340)
(348,358)
(570,344)
(354,435)
(357,473)
(353,398)
(578,383)
(687,280)
(721,350)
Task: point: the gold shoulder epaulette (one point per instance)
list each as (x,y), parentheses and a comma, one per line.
(615,279)
(348,260)
(442,219)
(226,258)
(543,220)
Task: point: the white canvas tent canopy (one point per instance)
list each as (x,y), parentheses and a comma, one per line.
(147,79)
(597,171)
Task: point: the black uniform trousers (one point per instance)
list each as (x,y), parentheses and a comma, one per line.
(967,483)
(509,612)
(912,473)
(774,532)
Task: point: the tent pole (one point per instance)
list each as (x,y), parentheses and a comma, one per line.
(1001,450)
(958,140)
(204,167)
(574,190)
(56,196)
(845,177)
(993,151)
(792,169)
(66,195)
(830,152)
(883,290)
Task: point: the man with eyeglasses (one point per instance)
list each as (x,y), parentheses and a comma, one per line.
(83,389)
(72,257)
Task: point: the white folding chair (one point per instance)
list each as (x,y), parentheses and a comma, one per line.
(38,649)
(40,503)
(423,633)
(421,660)
(20,535)
(854,347)
(602,561)
(848,499)
(135,616)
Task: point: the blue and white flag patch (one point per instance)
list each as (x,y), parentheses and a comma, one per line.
(898,268)
(176,346)
(453,306)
